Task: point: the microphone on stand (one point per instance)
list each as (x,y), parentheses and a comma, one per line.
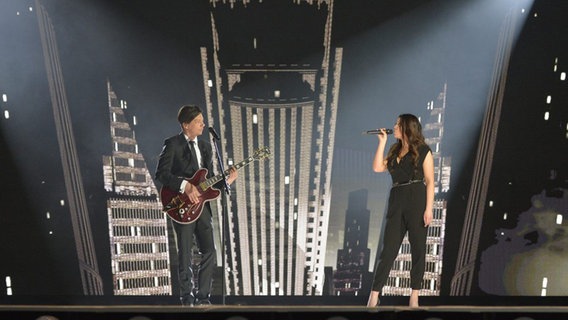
(214,133)
(377,131)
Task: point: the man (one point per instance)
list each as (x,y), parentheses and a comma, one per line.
(182,155)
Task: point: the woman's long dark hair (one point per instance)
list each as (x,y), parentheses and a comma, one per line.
(410,128)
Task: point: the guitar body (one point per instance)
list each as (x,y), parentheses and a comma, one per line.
(177,205)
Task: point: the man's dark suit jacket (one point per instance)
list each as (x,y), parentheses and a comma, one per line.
(176,162)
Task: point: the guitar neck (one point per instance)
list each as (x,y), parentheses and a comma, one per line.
(213,180)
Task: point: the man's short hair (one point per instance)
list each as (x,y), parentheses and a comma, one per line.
(188,113)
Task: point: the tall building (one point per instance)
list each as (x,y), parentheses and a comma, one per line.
(516,211)
(398,282)
(463,278)
(137,226)
(277,89)
(353,259)
(85,246)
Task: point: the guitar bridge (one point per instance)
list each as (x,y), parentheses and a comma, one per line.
(176,202)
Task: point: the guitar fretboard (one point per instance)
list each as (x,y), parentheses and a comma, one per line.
(213,180)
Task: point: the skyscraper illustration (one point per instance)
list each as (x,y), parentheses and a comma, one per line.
(85,246)
(137,226)
(353,259)
(398,282)
(276,228)
(462,280)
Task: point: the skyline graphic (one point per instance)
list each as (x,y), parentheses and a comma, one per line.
(278,213)
(138,232)
(78,178)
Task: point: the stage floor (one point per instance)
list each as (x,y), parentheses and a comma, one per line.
(313,312)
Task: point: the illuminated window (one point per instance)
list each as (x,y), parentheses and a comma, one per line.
(255,118)
(548,99)
(5,97)
(8,286)
(563,76)
(546,115)
(210,83)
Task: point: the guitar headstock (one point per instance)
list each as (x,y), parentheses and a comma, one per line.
(261,153)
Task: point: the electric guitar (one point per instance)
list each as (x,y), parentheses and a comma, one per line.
(178,206)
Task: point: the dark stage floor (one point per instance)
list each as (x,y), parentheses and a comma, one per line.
(314,312)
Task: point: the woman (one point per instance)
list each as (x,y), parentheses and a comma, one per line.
(411,165)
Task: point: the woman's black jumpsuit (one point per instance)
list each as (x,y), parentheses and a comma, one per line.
(407,202)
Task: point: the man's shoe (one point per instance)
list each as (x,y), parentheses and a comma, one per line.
(187,301)
(202,302)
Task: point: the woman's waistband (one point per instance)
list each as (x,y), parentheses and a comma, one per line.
(405,183)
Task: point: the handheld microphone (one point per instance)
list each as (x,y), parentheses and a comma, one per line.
(214,133)
(377,131)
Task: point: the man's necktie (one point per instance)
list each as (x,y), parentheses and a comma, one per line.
(194,158)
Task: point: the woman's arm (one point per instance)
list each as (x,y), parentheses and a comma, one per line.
(379,161)
(428,167)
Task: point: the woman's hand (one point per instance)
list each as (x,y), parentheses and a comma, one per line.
(382,136)
(428,216)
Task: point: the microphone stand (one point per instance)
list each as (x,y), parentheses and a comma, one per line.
(224,213)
